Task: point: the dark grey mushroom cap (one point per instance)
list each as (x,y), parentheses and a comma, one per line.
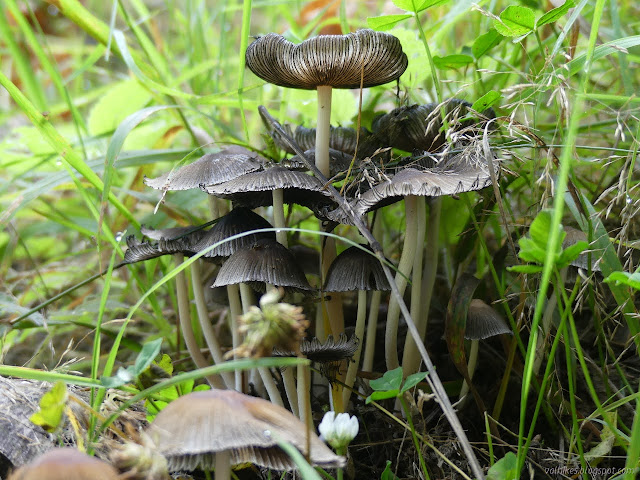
(418,127)
(173,233)
(356,269)
(237,221)
(338,161)
(339,61)
(298,188)
(265,261)
(210,169)
(138,251)
(463,172)
(573,236)
(484,322)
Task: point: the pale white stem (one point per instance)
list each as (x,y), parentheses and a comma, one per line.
(404,270)
(323,129)
(352,371)
(411,357)
(471,366)
(278,215)
(205,324)
(289,380)
(235,310)
(372,328)
(184,313)
(248,299)
(304,399)
(223,465)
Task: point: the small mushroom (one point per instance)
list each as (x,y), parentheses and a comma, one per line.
(482,322)
(357,269)
(218,428)
(266,261)
(65,464)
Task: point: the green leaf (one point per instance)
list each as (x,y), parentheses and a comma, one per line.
(614,46)
(529,269)
(456,321)
(387,474)
(375,396)
(391,380)
(486,42)
(534,248)
(504,469)
(625,278)
(386,22)
(122,99)
(417,6)
(413,380)
(569,254)
(515,21)
(52,406)
(166,364)
(452,61)
(489,99)
(555,13)
(126,375)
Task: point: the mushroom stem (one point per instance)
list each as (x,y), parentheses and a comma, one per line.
(223,465)
(422,289)
(246,294)
(355,361)
(205,324)
(372,327)
(323,128)
(235,310)
(278,215)
(471,367)
(404,270)
(184,313)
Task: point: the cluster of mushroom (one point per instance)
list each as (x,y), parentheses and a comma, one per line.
(248,257)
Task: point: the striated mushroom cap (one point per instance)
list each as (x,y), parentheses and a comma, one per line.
(484,322)
(355,269)
(191,429)
(210,169)
(339,61)
(265,261)
(237,221)
(65,464)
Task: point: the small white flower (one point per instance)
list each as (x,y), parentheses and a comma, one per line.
(338,431)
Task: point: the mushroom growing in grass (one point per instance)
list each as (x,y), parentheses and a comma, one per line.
(218,428)
(65,464)
(482,322)
(357,269)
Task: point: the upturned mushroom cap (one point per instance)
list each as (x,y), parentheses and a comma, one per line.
(339,61)
(65,464)
(211,169)
(237,221)
(138,251)
(265,261)
(484,322)
(254,189)
(355,269)
(191,429)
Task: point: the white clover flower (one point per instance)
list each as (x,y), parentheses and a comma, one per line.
(338,431)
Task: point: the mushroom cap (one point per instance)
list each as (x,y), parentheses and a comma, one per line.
(355,269)
(339,61)
(210,169)
(484,322)
(65,464)
(254,189)
(191,429)
(265,261)
(573,236)
(339,162)
(458,173)
(237,221)
(417,127)
(138,251)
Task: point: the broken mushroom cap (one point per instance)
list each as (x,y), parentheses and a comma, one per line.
(211,169)
(193,428)
(484,322)
(266,261)
(65,464)
(339,61)
(356,269)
